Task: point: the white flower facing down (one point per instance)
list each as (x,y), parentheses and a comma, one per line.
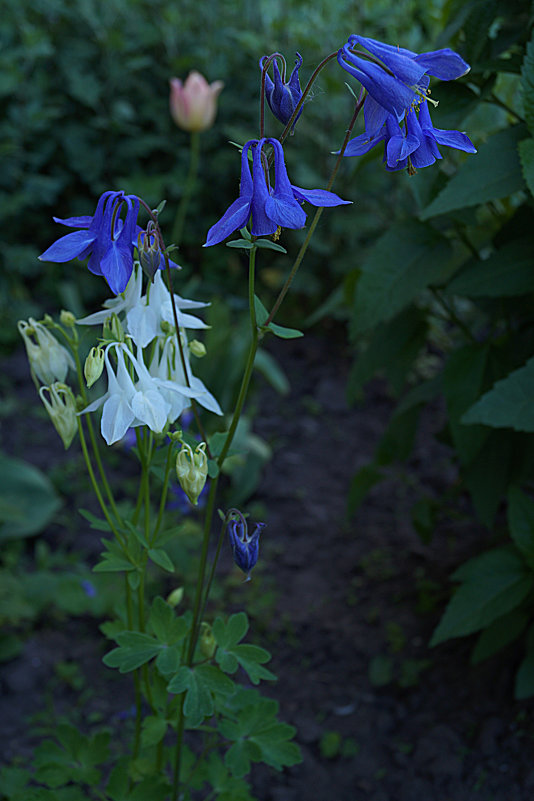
(49,360)
(127,404)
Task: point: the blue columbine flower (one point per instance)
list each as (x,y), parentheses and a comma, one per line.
(245,546)
(396,79)
(413,148)
(105,237)
(268,207)
(283,97)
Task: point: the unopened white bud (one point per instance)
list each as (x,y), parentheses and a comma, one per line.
(192,470)
(49,360)
(94,365)
(61,406)
(67,318)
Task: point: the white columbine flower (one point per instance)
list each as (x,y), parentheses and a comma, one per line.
(169,365)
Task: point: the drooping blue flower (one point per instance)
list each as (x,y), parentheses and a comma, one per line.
(268,207)
(105,237)
(245,546)
(396,79)
(413,148)
(283,97)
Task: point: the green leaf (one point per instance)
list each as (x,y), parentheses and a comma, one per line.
(199,684)
(268,244)
(524,680)
(521,523)
(153,731)
(260,310)
(167,627)
(245,244)
(137,532)
(240,755)
(509,403)
(527,84)
(364,480)
(404,261)
(161,558)
(506,273)
(96,522)
(28,501)
(278,330)
(493,173)
(267,365)
(493,584)
(487,475)
(135,649)
(463,380)
(526,155)
(499,634)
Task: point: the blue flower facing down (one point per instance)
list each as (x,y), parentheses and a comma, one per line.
(268,207)
(396,79)
(283,97)
(245,546)
(413,148)
(106,237)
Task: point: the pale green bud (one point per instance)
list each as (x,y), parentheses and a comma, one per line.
(192,470)
(49,360)
(67,319)
(175,597)
(206,641)
(94,365)
(197,348)
(61,406)
(113,329)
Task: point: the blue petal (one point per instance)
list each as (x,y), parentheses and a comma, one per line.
(318,197)
(455,139)
(68,247)
(444,64)
(116,266)
(363,144)
(374,115)
(400,61)
(262,224)
(281,206)
(235,217)
(75,222)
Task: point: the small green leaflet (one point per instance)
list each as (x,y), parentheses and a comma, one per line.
(278,330)
(199,684)
(230,655)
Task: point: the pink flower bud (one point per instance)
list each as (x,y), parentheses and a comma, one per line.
(194,104)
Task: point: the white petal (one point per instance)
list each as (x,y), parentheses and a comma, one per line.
(117,418)
(142,324)
(151,408)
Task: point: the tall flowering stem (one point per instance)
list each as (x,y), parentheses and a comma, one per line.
(190,181)
(317,216)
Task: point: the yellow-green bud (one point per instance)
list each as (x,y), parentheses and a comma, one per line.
(61,406)
(206,641)
(197,348)
(94,365)
(67,318)
(192,470)
(166,327)
(113,329)
(175,597)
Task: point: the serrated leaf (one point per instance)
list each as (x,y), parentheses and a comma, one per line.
(508,404)
(161,558)
(524,680)
(229,634)
(240,755)
(526,155)
(521,522)
(497,582)
(251,659)
(527,84)
(405,260)
(492,173)
(167,627)
(506,273)
(499,634)
(463,380)
(198,703)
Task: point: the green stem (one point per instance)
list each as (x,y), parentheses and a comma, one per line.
(95,486)
(194,160)
(317,217)
(210,508)
(453,317)
(164,492)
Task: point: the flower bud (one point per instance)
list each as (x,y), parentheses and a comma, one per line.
(67,319)
(245,546)
(94,365)
(49,360)
(113,329)
(197,348)
(194,104)
(61,406)
(175,597)
(149,252)
(283,97)
(206,641)
(192,470)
